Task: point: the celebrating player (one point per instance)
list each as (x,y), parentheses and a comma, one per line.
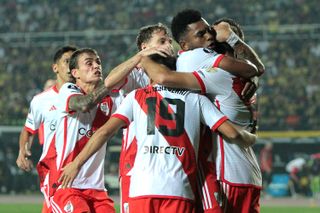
(163,177)
(78,117)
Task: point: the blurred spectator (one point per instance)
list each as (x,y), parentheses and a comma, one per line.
(299,177)
(286,102)
(315,175)
(266,160)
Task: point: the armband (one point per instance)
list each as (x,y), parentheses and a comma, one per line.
(232,39)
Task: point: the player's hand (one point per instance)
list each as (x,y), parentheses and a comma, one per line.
(223,31)
(249,89)
(23,161)
(163,51)
(69,173)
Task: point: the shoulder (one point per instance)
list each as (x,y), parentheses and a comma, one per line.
(47,94)
(71,87)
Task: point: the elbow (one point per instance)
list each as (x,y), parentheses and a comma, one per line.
(261,70)
(108,83)
(252,71)
(235,136)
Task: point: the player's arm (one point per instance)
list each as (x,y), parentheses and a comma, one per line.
(163,75)
(236,135)
(84,103)
(101,136)
(238,67)
(25,142)
(241,49)
(118,75)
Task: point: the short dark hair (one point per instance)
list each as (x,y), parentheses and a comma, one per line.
(234,26)
(180,22)
(169,61)
(61,51)
(75,56)
(145,33)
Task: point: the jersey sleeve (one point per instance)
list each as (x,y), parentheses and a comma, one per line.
(209,80)
(34,118)
(210,115)
(197,59)
(65,93)
(125,110)
(135,80)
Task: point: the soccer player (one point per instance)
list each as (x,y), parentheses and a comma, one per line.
(163,177)
(128,76)
(41,121)
(241,180)
(78,117)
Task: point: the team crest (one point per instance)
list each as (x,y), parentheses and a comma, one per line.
(105,108)
(68,207)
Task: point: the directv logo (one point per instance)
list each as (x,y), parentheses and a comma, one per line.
(169,150)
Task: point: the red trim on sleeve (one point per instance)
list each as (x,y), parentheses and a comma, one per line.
(41,134)
(217,61)
(203,87)
(217,124)
(30,130)
(122,117)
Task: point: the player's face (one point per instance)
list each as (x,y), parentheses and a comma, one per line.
(89,69)
(160,39)
(62,67)
(199,34)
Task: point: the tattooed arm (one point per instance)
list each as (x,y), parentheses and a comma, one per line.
(84,103)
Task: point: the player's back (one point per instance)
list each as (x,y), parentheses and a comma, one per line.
(167,130)
(224,90)
(220,86)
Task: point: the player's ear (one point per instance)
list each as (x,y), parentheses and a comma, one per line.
(74,73)
(54,68)
(184,45)
(143,46)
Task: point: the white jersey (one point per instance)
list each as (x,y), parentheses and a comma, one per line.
(167,142)
(41,119)
(224,89)
(135,80)
(74,129)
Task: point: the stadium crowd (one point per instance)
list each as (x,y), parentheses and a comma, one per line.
(289,94)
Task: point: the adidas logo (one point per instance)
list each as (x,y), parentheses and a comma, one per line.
(52,108)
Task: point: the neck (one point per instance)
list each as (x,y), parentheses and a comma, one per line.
(87,87)
(59,83)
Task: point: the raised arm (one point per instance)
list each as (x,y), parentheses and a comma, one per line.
(25,143)
(236,135)
(238,67)
(101,136)
(118,75)
(163,75)
(242,50)
(84,103)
